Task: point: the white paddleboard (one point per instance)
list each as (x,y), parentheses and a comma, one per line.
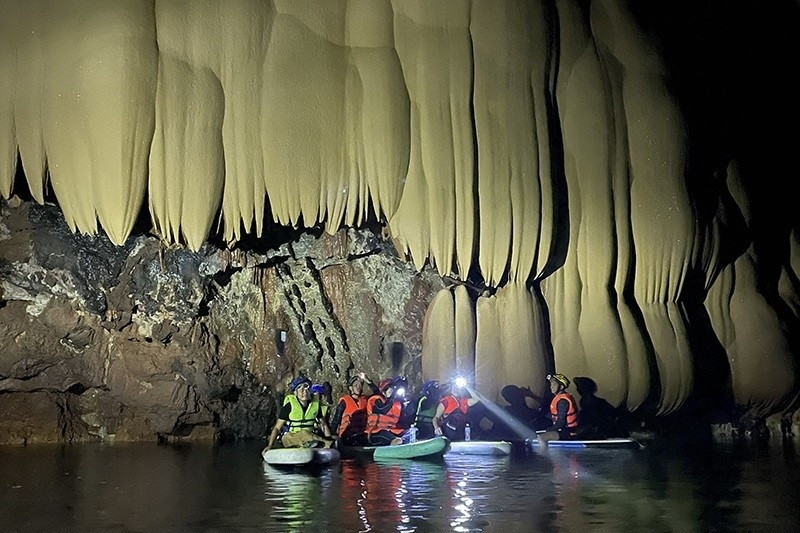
(288,456)
(477,447)
(581,444)
(301,456)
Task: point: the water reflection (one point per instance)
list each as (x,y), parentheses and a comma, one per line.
(391,497)
(669,489)
(297,497)
(464,505)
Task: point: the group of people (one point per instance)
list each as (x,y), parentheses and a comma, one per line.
(384,414)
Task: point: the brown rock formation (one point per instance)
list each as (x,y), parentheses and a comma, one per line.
(178,344)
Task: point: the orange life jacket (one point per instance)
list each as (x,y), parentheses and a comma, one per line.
(377,421)
(354,417)
(451,403)
(572,411)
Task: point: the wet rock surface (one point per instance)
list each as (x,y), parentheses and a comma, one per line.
(146,341)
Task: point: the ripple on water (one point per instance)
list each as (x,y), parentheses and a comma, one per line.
(228,488)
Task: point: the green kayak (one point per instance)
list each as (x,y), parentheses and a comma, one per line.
(423,449)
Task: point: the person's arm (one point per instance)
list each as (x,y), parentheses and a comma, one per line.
(561,418)
(437,419)
(528,393)
(283,417)
(337,417)
(473,396)
(382,406)
(276,430)
(368,382)
(323,424)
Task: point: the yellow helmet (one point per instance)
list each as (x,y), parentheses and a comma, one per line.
(561,378)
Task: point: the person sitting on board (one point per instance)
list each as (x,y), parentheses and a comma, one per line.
(302,415)
(426,406)
(383,415)
(521,418)
(323,392)
(350,417)
(401,392)
(599,419)
(563,411)
(452,412)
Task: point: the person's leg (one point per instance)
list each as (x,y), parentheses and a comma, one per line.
(546,437)
(297,439)
(453,434)
(425,431)
(382,438)
(475,416)
(355,439)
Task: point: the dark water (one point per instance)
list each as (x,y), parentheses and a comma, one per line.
(709,488)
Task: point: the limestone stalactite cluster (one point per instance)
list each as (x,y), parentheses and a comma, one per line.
(541,148)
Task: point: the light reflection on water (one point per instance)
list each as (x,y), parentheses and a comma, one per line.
(228,488)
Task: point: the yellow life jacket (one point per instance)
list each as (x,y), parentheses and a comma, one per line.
(300,418)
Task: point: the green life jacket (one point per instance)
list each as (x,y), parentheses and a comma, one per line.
(300,418)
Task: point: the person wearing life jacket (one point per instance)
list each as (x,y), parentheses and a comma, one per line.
(383,416)
(350,416)
(303,416)
(522,413)
(426,406)
(401,393)
(452,412)
(324,393)
(563,412)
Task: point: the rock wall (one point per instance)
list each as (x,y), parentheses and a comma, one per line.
(145,340)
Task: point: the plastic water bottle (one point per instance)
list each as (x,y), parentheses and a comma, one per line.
(467,433)
(413,432)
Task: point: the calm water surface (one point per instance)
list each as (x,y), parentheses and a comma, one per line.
(147,488)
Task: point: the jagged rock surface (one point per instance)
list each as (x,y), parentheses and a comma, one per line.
(145,340)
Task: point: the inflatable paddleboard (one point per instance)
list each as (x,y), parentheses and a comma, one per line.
(423,449)
(582,444)
(326,456)
(477,447)
(300,456)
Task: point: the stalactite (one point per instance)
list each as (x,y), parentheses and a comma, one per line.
(186,162)
(8,143)
(439,337)
(435,217)
(29,95)
(510,117)
(753,331)
(464,327)
(511,345)
(261,279)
